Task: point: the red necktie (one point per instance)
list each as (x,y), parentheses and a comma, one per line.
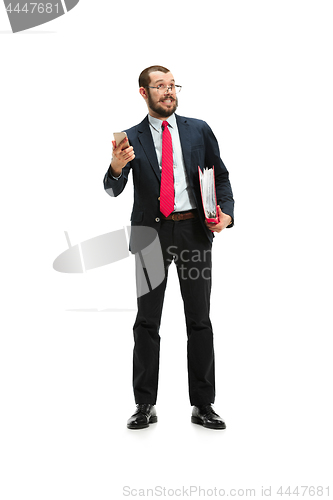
(167,194)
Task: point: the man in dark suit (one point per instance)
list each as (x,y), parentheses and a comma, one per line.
(184,234)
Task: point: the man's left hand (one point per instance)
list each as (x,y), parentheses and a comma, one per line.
(225,220)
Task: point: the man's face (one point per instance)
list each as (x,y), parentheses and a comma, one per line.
(161,104)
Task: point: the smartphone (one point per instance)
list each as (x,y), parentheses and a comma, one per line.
(118,137)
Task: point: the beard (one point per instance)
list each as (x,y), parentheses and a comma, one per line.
(157,108)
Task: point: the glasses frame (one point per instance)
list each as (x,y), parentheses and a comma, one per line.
(179,87)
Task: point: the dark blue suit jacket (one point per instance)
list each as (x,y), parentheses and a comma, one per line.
(199,147)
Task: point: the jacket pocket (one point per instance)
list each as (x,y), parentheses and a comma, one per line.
(197,146)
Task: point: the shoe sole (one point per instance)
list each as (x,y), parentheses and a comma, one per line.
(152,420)
(196,420)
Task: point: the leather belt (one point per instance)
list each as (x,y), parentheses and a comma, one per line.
(179,216)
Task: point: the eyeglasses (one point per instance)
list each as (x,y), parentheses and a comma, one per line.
(166,88)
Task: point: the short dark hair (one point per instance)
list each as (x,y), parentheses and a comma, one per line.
(144,78)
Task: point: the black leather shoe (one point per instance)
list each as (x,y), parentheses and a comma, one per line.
(206,416)
(145,414)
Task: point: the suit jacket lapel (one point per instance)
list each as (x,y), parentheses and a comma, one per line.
(185,141)
(146,140)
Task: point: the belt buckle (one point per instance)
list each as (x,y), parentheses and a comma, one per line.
(176,217)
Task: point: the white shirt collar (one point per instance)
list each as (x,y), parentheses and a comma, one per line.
(156,123)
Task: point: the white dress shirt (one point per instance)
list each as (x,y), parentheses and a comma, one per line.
(183,197)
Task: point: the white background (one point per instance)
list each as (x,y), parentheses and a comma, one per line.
(260,73)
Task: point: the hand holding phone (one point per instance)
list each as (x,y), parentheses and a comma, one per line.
(122,153)
(119,137)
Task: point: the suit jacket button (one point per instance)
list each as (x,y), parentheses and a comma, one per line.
(157,219)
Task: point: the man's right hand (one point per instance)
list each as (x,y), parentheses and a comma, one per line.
(120,157)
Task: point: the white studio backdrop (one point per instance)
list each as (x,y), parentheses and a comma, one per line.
(259,73)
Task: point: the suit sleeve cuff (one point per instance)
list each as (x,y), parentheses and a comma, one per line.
(112,176)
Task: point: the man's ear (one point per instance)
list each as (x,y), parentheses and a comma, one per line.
(143,92)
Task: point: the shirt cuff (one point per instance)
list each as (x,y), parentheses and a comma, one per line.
(113,177)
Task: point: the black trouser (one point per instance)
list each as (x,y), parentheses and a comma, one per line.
(186,244)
